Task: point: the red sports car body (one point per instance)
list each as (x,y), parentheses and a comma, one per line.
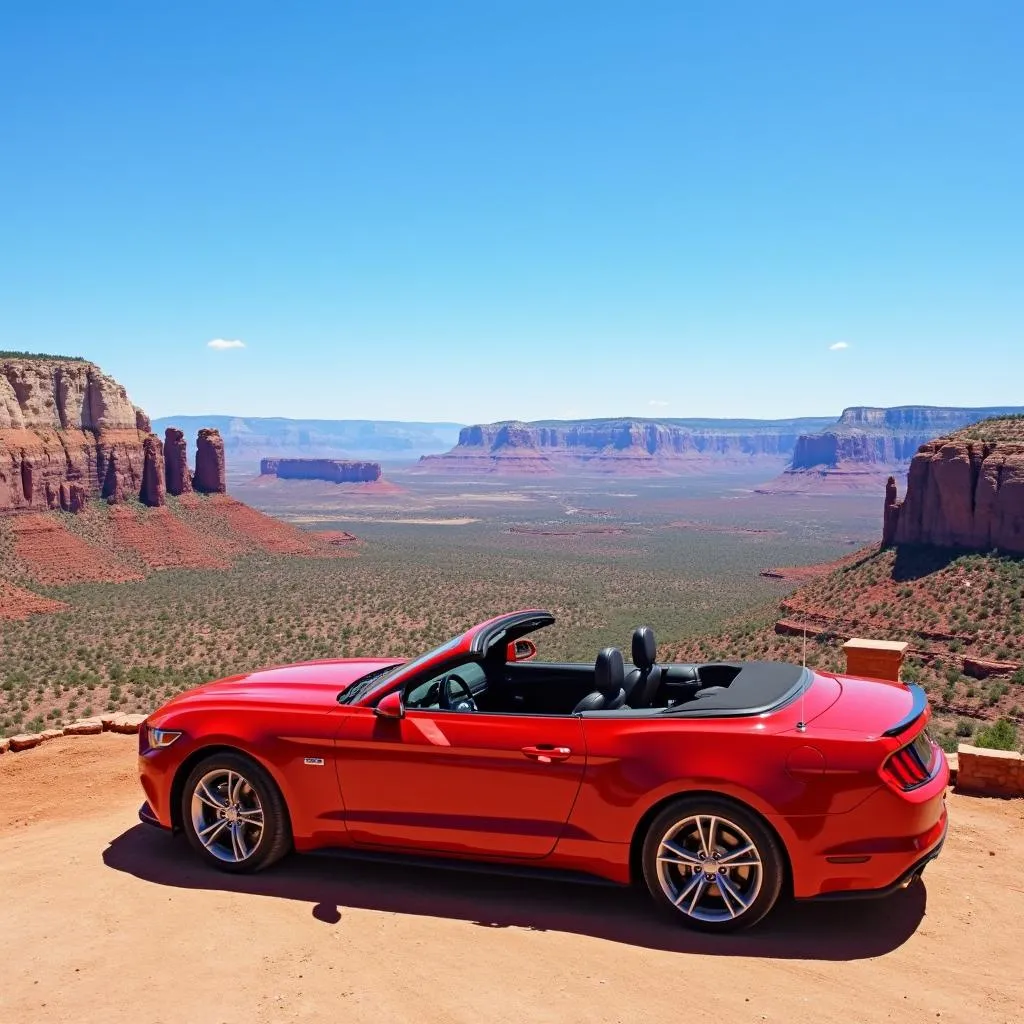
(718,785)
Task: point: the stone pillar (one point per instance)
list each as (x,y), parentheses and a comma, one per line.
(891,514)
(210,476)
(179,478)
(875,659)
(153,489)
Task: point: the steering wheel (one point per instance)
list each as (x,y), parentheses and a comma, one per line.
(444,697)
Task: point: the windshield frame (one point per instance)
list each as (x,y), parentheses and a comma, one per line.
(379,679)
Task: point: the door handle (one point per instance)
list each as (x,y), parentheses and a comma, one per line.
(546,753)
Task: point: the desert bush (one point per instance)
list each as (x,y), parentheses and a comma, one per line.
(1001,735)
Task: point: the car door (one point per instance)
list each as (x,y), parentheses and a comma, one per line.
(459,781)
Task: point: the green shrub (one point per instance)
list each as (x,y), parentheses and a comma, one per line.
(1001,735)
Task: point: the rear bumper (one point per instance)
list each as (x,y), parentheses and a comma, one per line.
(874,848)
(904,880)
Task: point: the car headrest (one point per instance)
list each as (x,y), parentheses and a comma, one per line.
(609,671)
(644,648)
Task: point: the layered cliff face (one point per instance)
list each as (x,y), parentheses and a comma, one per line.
(867,444)
(936,419)
(629,445)
(962,493)
(336,471)
(68,434)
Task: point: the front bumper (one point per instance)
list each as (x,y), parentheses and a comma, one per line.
(147,817)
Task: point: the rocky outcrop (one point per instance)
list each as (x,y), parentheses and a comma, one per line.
(57,394)
(962,494)
(69,434)
(210,476)
(626,445)
(983,668)
(337,471)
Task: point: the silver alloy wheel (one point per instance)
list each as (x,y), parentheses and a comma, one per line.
(709,868)
(227,815)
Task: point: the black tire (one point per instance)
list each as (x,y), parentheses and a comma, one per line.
(257,790)
(717,908)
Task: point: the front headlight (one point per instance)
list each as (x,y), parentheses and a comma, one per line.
(161,738)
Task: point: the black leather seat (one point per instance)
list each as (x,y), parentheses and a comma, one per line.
(643,681)
(609,676)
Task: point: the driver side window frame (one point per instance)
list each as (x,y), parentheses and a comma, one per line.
(435,675)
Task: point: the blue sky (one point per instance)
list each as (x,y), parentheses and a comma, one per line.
(473,211)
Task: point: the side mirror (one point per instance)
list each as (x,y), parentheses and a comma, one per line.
(521,650)
(390,705)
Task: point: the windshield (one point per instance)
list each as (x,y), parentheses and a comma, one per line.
(364,684)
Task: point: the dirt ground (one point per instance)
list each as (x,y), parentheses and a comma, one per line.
(103,919)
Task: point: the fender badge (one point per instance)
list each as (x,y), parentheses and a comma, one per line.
(313,760)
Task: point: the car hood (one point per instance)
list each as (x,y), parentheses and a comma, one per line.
(310,682)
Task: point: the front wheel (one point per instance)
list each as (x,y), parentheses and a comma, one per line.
(712,864)
(234,815)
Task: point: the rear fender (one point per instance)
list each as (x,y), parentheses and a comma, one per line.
(716,788)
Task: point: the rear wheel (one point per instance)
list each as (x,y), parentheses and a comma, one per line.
(712,864)
(234,815)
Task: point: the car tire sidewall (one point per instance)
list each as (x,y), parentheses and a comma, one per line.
(768,847)
(276,838)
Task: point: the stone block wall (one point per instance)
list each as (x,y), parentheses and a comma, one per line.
(990,772)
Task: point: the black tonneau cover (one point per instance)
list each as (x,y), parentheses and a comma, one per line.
(759,686)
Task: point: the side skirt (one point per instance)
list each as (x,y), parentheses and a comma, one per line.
(475,867)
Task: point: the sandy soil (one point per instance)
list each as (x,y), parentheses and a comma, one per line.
(104,919)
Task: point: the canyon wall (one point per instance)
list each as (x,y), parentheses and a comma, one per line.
(624,445)
(961,493)
(337,471)
(69,433)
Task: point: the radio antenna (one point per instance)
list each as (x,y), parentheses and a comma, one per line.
(802,724)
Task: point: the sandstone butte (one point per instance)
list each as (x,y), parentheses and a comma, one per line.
(868,443)
(964,491)
(338,471)
(69,434)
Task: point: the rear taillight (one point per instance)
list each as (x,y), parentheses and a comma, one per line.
(911,766)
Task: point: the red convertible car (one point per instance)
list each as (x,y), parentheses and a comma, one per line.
(717,786)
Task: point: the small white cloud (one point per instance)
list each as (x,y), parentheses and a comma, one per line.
(222,343)
(838,346)
(660,403)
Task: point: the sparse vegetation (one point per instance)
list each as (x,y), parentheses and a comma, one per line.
(995,428)
(131,645)
(10,354)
